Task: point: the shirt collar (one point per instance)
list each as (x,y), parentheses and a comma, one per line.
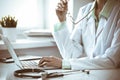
(107,8)
(105,12)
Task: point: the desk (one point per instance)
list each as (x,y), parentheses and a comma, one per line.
(112,74)
(6,70)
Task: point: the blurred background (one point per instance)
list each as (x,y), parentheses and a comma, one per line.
(36,14)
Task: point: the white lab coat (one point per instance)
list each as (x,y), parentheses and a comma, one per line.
(86,48)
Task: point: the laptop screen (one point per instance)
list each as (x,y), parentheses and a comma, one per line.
(11,51)
(15,57)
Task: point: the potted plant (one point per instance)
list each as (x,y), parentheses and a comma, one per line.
(9,24)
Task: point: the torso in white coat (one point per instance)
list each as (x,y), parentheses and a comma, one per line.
(86,40)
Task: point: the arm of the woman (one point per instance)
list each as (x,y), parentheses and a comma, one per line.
(68,47)
(111,58)
(69,44)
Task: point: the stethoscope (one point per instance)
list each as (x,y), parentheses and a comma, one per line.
(22,73)
(85,16)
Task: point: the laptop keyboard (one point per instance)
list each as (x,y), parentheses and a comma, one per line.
(30,64)
(34,64)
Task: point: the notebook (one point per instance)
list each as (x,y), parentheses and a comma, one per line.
(19,63)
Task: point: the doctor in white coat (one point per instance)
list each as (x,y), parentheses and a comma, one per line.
(95,41)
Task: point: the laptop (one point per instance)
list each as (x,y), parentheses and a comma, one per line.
(21,64)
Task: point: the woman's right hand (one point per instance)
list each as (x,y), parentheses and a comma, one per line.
(62,9)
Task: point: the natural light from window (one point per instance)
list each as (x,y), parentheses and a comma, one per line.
(31,14)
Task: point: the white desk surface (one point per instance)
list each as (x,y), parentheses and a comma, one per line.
(6,73)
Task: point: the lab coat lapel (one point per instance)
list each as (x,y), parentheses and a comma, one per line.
(91,30)
(104,39)
(109,29)
(91,26)
(100,29)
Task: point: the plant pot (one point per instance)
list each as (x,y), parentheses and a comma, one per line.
(10,33)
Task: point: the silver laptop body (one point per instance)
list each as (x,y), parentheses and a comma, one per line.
(21,64)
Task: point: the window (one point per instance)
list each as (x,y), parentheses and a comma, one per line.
(36,14)
(31,14)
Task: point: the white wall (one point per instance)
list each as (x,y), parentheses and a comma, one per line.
(77,4)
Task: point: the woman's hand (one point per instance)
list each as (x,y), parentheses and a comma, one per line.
(62,9)
(50,62)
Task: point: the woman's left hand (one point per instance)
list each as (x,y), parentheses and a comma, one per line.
(50,62)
